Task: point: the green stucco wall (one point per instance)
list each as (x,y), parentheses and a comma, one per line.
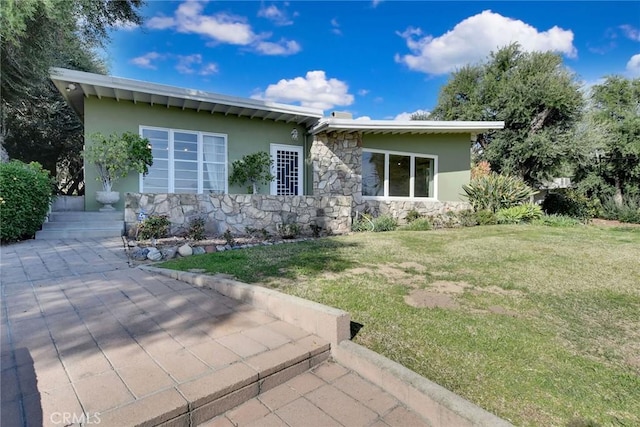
(453,151)
(244,135)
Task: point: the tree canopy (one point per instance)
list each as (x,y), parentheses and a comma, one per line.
(534,94)
(610,139)
(35,35)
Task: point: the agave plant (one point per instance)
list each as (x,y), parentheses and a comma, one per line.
(493,192)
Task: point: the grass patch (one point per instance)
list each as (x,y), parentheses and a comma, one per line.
(545,329)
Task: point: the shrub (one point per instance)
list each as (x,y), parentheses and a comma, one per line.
(468,218)
(557,221)
(629,211)
(363,222)
(196,228)
(570,203)
(316,230)
(482,168)
(384,223)
(412,215)
(154,227)
(288,231)
(485,217)
(228,237)
(517,214)
(26,191)
(494,192)
(420,224)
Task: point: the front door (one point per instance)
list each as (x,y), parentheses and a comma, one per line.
(287,168)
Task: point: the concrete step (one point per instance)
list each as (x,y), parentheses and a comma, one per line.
(83,225)
(86,216)
(199,400)
(80,224)
(77,233)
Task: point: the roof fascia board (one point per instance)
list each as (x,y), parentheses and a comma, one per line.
(99,80)
(414,126)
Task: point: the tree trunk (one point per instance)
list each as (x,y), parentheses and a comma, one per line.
(617,198)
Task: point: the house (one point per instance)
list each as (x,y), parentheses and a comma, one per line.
(326,168)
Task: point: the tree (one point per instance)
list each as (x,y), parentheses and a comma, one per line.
(610,137)
(253,169)
(538,99)
(36,35)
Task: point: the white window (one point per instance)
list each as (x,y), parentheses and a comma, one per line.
(392,174)
(287,169)
(185,162)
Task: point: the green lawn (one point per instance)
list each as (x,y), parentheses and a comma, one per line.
(538,325)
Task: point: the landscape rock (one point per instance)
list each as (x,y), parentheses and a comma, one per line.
(185,250)
(169,252)
(199,250)
(154,254)
(139,254)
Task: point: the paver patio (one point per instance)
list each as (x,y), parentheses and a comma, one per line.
(87,338)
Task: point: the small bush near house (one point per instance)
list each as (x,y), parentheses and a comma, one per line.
(420,224)
(629,211)
(288,231)
(482,168)
(154,227)
(196,228)
(26,190)
(517,214)
(468,218)
(384,223)
(316,230)
(412,215)
(485,217)
(494,192)
(570,204)
(228,237)
(363,222)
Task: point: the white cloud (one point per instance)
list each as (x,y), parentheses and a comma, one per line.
(222,27)
(161,22)
(335,27)
(633,66)
(187,65)
(313,90)
(631,32)
(407,116)
(277,16)
(125,26)
(282,48)
(363,118)
(474,38)
(146,60)
(363,92)
(375,3)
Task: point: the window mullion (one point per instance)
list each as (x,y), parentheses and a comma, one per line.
(200,157)
(412,175)
(170,161)
(386,174)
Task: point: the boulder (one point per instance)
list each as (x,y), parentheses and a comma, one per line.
(139,254)
(185,250)
(169,252)
(154,254)
(199,250)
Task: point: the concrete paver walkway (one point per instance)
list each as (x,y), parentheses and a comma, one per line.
(85,339)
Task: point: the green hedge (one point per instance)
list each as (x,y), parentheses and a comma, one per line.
(26,190)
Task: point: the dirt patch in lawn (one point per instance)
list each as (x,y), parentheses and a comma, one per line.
(422,298)
(413,266)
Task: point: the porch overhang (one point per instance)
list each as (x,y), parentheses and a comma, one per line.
(75,86)
(396,127)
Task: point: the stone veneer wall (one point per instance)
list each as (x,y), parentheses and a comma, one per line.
(336,159)
(398,209)
(236,212)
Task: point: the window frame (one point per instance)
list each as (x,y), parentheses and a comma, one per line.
(412,175)
(200,157)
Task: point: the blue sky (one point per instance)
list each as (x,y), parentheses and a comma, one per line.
(375,59)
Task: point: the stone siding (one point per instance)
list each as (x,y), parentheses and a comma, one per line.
(236,212)
(399,208)
(336,159)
